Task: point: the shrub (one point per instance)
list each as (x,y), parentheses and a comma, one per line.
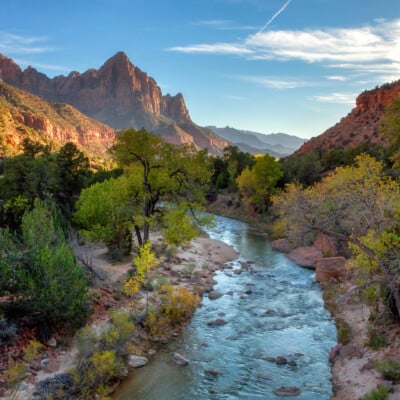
(8,330)
(380,393)
(390,369)
(177,306)
(343,332)
(376,339)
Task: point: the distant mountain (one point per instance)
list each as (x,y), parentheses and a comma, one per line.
(120,95)
(275,144)
(361,125)
(24,115)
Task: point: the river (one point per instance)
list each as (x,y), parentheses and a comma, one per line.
(276,309)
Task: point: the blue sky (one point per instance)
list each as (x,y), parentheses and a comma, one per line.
(292,66)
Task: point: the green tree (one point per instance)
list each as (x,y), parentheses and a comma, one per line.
(107,212)
(256,185)
(168,174)
(41,268)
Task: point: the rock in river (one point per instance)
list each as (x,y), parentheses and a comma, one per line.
(213,295)
(287,391)
(180,360)
(217,322)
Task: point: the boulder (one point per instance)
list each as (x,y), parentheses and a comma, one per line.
(179,359)
(281,245)
(280,360)
(326,245)
(50,365)
(137,361)
(328,268)
(287,391)
(217,322)
(305,256)
(213,295)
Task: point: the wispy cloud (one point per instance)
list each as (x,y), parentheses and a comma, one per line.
(49,67)
(373,48)
(341,98)
(16,44)
(273,82)
(269,22)
(216,48)
(339,78)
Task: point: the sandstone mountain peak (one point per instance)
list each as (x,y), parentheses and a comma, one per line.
(118,94)
(361,125)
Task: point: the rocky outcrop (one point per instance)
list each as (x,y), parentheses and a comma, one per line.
(305,256)
(24,115)
(330,268)
(118,94)
(361,125)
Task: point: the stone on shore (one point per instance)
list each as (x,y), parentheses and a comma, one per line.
(328,268)
(179,359)
(281,245)
(305,256)
(137,361)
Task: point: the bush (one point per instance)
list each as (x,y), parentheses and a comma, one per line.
(390,369)
(380,393)
(376,339)
(343,332)
(8,330)
(177,306)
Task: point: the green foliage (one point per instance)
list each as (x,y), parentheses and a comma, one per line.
(176,175)
(390,369)
(391,129)
(8,330)
(376,338)
(55,286)
(343,332)
(256,185)
(37,173)
(106,212)
(380,393)
(42,269)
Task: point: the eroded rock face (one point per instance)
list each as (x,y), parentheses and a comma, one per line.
(330,268)
(22,113)
(361,125)
(120,95)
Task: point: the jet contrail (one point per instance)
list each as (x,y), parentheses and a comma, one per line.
(275,15)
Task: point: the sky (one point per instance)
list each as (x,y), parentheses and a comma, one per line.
(292,66)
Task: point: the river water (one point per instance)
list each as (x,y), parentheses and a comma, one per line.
(282,314)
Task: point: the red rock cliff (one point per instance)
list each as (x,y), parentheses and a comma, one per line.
(118,94)
(361,125)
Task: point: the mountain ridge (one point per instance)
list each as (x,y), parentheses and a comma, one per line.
(24,115)
(274,144)
(118,94)
(361,125)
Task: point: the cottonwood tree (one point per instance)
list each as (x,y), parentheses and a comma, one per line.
(256,185)
(356,204)
(167,175)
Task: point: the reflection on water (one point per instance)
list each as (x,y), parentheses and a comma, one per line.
(282,314)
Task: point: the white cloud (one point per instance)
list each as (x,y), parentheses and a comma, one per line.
(216,48)
(373,48)
(17,44)
(341,98)
(273,82)
(339,78)
(50,67)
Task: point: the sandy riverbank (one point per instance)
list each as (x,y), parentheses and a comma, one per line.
(192,266)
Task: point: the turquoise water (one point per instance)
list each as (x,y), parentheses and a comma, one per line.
(295,325)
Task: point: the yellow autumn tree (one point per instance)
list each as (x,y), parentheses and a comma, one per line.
(144,262)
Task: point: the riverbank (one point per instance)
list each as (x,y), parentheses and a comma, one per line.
(192,267)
